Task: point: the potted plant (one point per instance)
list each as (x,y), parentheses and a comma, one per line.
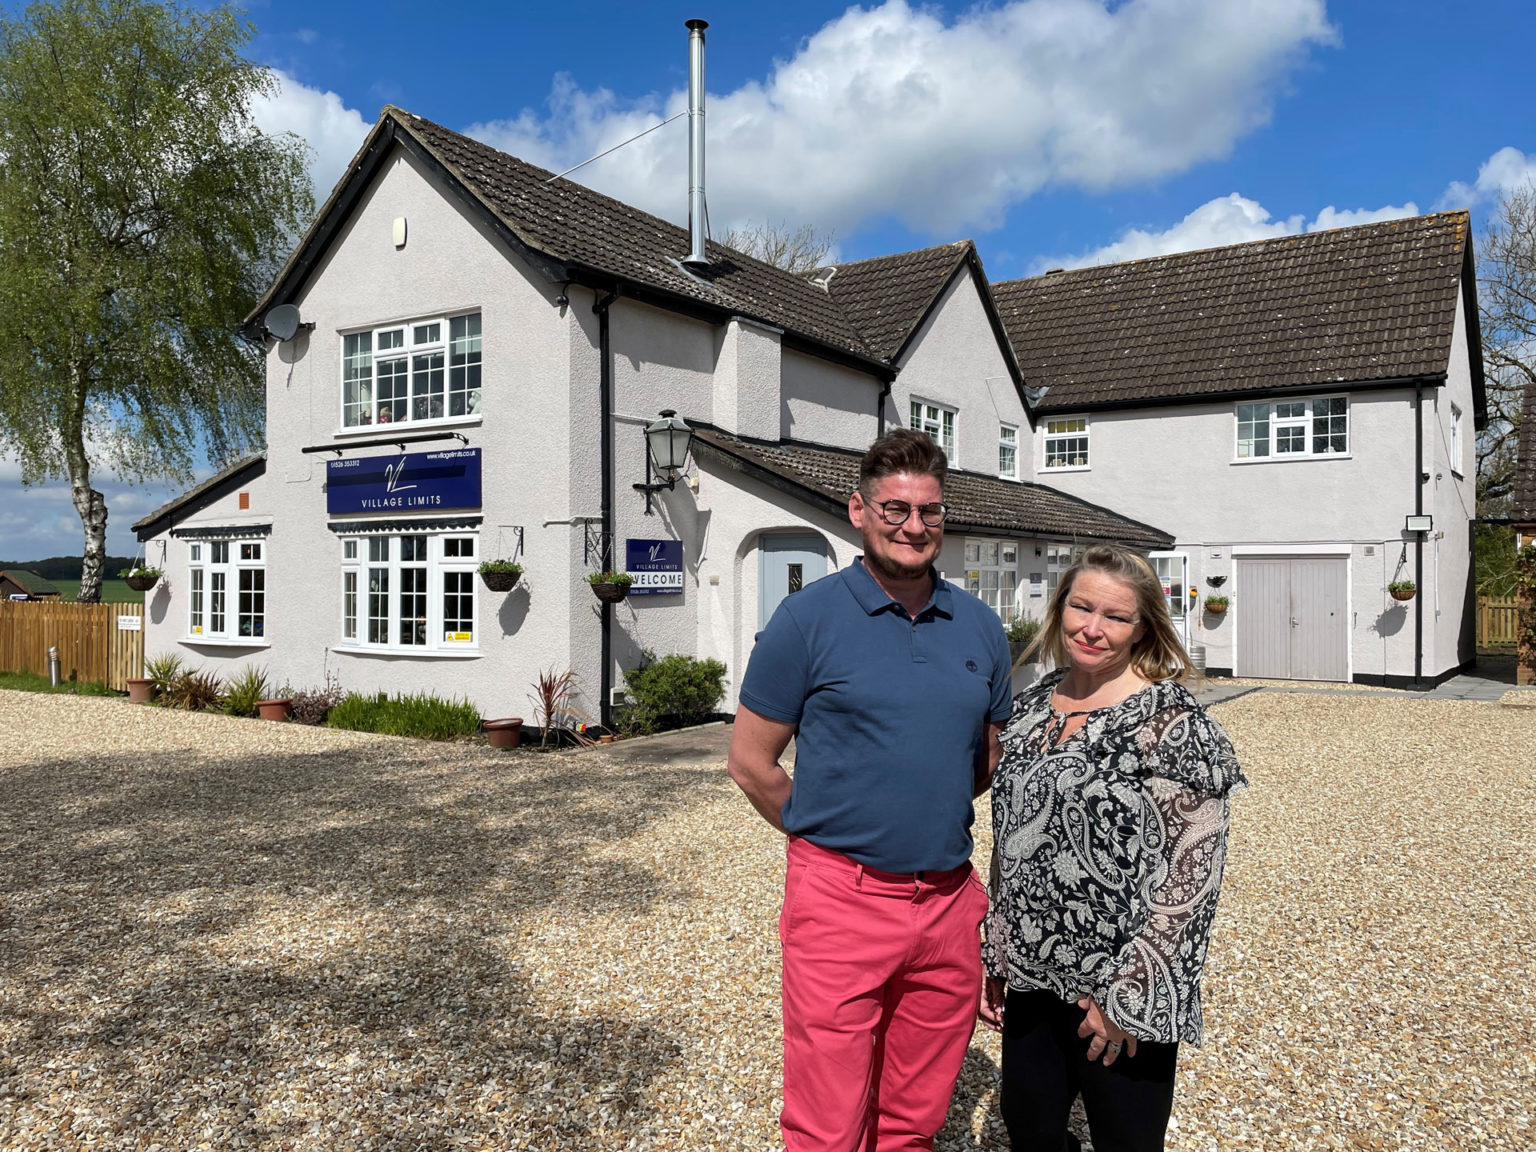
(1402,589)
(1216,605)
(506,733)
(1021,632)
(140,579)
(610,586)
(500,575)
(275,709)
(141,689)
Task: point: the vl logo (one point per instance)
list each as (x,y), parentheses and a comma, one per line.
(392,477)
(655,551)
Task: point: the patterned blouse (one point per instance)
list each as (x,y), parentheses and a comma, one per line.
(1108,857)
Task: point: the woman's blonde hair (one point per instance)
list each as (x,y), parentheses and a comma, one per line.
(1159,654)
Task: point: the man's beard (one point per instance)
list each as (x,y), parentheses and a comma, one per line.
(891,570)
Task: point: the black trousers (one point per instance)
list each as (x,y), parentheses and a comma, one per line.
(1045,1066)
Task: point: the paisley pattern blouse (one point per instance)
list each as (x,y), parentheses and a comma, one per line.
(1108,857)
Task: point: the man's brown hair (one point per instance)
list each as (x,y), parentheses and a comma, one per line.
(902,450)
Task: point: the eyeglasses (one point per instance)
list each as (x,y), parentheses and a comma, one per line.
(897,511)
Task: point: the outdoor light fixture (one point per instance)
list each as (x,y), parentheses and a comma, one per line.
(667,442)
(1425,524)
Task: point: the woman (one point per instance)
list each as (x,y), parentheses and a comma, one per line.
(1109,816)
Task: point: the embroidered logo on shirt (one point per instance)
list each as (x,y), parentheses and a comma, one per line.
(970,666)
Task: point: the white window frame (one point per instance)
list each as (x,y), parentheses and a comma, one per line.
(1007,447)
(445,574)
(455,381)
(1288,429)
(1455,444)
(984,557)
(1059,431)
(227,591)
(938,420)
(1058,558)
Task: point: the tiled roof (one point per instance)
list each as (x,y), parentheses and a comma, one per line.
(1375,302)
(189,499)
(887,297)
(828,475)
(30,582)
(1523,496)
(576,225)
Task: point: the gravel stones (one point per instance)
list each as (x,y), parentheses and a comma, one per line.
(232,934)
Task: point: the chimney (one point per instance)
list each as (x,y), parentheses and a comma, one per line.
(696,257)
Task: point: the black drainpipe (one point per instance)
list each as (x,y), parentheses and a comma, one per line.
(1418,545)
(885,393)
(605,466)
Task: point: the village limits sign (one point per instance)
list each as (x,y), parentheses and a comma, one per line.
(656,565)
(408,482)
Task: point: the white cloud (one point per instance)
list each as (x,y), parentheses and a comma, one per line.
(1231,219)
(333,131)
(40,521)
(892,111)
(1506,169)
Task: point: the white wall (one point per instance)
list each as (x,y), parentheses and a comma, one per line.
(826,403)
(1452,499)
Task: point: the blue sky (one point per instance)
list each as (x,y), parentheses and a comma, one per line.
(1052,132)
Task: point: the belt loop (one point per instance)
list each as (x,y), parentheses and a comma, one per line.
(858,882)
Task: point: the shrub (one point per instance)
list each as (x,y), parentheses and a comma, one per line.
(1402,586)
(512,567)
(551,702)
(244,690)
(1216,602)
(673,692)
(1022,629)
(195,691)
(163,670)
(622,579)
(313,705)
(422,715)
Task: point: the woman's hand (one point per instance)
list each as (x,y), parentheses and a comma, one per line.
(991,1010)
(1108,1038)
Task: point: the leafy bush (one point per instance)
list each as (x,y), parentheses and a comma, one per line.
(511,567)
(245,690)
(422,715)
(1022,629)
(1402,586)
(163,670)
(673,692)
(622,579)
(313,705)
(1215,603)
(195,691)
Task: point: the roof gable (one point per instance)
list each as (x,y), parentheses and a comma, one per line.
(887,298)
(1374,303)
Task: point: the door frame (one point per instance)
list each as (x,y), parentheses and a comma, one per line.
(1175,554)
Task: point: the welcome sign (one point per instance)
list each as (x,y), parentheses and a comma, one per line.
(408,482)
(656,565)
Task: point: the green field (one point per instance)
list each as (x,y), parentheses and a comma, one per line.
(112,591)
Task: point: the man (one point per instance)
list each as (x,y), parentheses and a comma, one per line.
(895,685)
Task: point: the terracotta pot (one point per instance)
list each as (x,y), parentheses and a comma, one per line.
(1215,609)
(506,733)
(274,709)
(501,581)
(1403,595)
(141,690)
(141,583)
(611,593)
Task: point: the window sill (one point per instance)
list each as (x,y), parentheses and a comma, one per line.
(413,653)
(1295,458)
(225,642)
(406,427)
(1070,468)
(1455,475)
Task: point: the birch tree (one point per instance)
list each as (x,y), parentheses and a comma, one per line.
(142,212)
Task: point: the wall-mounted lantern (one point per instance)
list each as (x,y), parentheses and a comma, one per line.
(667,443)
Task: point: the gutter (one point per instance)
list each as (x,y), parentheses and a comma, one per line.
(605,467)
(1419,478)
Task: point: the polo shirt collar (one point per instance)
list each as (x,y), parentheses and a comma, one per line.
(873,598)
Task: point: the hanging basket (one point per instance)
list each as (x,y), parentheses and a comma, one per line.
(1215,609)
(610,593)
(501,581)
(141,583)
(1403,593)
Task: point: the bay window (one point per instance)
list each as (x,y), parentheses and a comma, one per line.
(227,585)
(411,373)
(408,592)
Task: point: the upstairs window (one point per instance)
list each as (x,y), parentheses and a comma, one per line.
(1008,452)
(411,373)
(938,421)
(227,590)
(1066,443)
(1293,428)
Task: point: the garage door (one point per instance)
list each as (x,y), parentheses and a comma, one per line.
(1292,618)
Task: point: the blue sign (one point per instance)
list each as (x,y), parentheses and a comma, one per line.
(656,565)
(415,482)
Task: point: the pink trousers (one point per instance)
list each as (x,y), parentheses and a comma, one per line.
(882,973)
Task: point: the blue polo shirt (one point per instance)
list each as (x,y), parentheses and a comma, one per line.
(891,715)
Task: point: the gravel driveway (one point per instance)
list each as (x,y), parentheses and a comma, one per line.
(228,934)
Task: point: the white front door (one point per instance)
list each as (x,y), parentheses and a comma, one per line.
(788,563)
(1172,570)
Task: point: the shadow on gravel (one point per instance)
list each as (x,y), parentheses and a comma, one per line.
(318,950)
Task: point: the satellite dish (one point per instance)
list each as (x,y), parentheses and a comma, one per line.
(282,321)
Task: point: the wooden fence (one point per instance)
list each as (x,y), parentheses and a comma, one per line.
(1497,623)
(103,643)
